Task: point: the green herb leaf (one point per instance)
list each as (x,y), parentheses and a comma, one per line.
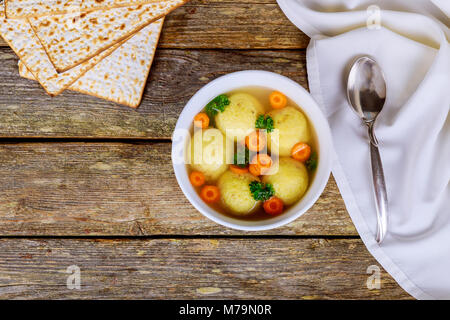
(311,163)
(261,191)
(264,122)
(217,105)
(269,124)
(260,122)
(242,157)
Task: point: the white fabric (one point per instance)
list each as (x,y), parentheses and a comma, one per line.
(413,129)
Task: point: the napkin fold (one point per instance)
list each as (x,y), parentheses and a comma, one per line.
(409,39)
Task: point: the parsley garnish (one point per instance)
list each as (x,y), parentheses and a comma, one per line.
(264,122)
(217,105)
(261,191)
(311,163)
(242,157)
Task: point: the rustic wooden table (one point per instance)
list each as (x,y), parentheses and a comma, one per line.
(85,182)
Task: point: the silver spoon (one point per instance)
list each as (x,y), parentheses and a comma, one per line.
(366,93)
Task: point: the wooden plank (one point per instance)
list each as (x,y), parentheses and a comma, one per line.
(226,24)
(191,269)
(77,189)
(26,111)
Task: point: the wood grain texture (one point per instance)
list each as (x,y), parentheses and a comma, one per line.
(191,269)
(26,111)
(225,24)
(109,189)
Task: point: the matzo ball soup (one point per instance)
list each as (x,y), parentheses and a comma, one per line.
(252,153)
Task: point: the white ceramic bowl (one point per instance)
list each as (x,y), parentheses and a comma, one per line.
(232,82)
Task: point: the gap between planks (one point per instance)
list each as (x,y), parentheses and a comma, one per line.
(184,237)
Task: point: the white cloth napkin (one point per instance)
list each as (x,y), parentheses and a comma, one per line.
(413,129)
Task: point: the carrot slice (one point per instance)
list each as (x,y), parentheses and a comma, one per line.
(277,100)
(238,170)
(201,120)
(260,164)
(274,206)
(197,178)
(254,169)
(264,160)
(301,152)
(255,141)
(210,194)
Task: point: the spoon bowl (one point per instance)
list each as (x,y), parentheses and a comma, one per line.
(366,89)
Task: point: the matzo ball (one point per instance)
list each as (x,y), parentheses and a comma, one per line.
(210,153)
(292,128)
(235,193)
(290,182)
(239,116)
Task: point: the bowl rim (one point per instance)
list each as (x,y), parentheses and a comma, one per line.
(273,81)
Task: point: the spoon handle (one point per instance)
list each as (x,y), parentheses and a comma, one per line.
(380,191)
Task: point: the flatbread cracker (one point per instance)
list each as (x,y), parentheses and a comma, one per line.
(122,76)
(20,37)
(68,44)
(21,9)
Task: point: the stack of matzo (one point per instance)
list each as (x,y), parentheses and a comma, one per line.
(102,48)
